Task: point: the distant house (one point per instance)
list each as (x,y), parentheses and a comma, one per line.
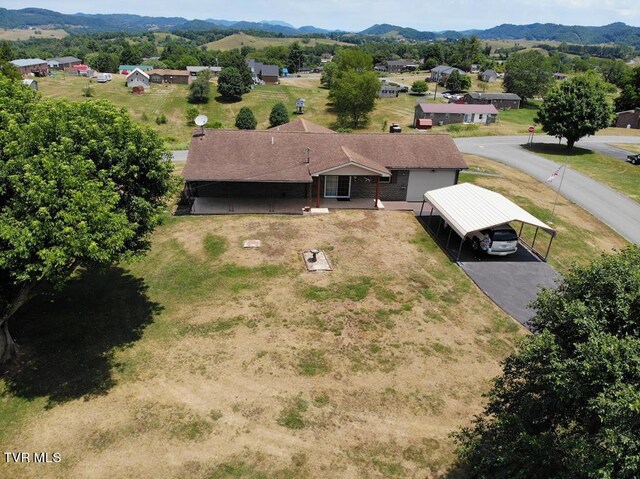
(399,66)
(28,66)
(628,119)
(262,72)
(380,67)
(490,76)
(445,114)
(269,74)
(63,63)
(30,82)
(169,76)
(126,69)
(502,101)
(138,78)
(326,57)
(388,91)
(441,73)
(560,76)
(193,71)
(475,68)
(79,70)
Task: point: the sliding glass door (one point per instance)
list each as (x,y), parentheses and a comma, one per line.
(337,186)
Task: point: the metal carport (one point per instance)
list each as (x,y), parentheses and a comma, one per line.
(467,208)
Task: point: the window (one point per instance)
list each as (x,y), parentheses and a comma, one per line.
(480,116)
(385,180)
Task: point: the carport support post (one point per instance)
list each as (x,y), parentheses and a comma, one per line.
(448,238)
(460,248)
(318,193)
(422,207)
(429,220)
(533,243)
(521,228)
(549,247)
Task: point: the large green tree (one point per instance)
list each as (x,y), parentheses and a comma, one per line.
(354,87)
(457,82)
(630,95)
(295,58)
(576,108)
(200,88)
(354,95)
(330,69)
(568,403)
(528,74)
(80,185)
(103,62)
(231,85)
(419,86)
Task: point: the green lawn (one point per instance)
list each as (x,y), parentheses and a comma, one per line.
(619,175)
(204,346)
(170,101)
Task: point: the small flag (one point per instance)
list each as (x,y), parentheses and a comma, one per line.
(554,175)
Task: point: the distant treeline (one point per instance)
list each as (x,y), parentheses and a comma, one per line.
(622,52)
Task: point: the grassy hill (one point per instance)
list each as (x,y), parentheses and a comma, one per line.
(15,34)
(238,40)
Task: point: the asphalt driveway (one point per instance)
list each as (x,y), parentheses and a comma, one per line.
(511,282)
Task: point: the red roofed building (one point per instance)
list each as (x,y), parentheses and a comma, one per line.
(447,113)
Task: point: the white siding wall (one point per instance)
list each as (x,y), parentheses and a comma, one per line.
(136,79)
(421,181)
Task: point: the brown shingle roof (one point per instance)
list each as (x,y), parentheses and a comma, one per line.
(280,156)
(302,125)
(164,71)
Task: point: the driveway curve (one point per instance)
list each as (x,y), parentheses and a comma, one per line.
(613,208)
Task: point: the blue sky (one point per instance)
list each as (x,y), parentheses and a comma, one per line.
(355,15)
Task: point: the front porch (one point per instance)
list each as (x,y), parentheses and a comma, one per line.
(280,206)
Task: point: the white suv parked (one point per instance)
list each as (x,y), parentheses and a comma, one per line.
(504,240)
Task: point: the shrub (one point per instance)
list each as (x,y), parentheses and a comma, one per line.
(191,114)
(245,120)
(161,120)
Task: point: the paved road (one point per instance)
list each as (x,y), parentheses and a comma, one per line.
(611,207)
(180,155)
(612,151)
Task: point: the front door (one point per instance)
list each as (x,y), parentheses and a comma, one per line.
(337,186)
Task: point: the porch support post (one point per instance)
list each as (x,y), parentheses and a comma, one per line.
(375,204)
(318,194)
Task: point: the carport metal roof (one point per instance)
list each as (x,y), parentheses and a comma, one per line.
(468,208)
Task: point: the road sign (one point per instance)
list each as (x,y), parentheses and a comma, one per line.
(532,129)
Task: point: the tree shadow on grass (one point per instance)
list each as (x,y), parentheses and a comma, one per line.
(227,100)
(67,338)
(556,149)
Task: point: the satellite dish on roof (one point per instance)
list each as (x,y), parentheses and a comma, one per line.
(201,120)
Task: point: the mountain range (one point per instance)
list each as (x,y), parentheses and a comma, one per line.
(36,17)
